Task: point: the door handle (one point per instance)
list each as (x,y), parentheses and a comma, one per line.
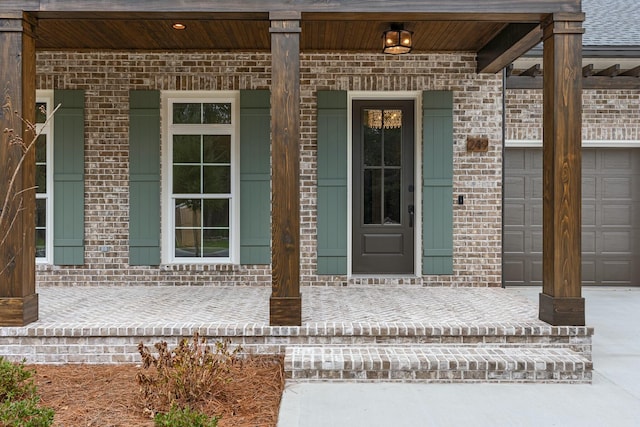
(411,211)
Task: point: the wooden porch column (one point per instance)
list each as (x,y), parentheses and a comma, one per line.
(18,300)
(561,302)
(285,303)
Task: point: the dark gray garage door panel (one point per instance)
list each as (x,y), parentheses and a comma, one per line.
(522,262)
(610,217)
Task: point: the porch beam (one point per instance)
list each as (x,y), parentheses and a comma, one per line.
(285,302)
(436,6)
(633,72)
(611,71)
(512,42)
(533,71)
(594,82)
(18,299)
(561,302)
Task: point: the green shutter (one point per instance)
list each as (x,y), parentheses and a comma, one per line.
(332,182)
(68,178)
(144,177)
(255,177)
(437,140)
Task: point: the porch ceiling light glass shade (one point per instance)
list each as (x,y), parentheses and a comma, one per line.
(397,40)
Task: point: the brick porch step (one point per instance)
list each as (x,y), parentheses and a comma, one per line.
(424,363)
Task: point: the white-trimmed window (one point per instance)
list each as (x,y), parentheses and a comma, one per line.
(44,177)
(201,178)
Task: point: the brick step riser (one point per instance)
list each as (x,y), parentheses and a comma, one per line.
(124,349)
(437,364)
(443,376)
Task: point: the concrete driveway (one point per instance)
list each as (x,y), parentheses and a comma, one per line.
(612,400)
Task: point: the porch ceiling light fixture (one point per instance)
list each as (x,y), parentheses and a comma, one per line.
(397,40)
(178,26)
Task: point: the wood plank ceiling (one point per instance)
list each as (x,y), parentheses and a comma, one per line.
(222,32)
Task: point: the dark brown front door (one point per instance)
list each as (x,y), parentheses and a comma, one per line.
(383,187)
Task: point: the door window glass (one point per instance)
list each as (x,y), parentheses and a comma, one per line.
(382,168)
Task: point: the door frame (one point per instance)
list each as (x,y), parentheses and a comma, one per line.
(416,97)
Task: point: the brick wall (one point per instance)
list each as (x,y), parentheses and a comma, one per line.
(609,115)
(107,78)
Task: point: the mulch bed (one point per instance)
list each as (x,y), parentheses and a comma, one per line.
(108,395)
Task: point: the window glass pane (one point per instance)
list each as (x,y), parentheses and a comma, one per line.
(41,164)
(188,243)
(392,119)
(217,113)
(41,213)
(188,228)
(41,149)
(216,243)
(372,145)
(393,147)
(41,112)
(188,213)
(217,179)
(41,179)
(186,179)
(217,148)
(392,185)
(372,196)
(216,213)
(373,119)
(186,149)
(41,246)
(187,113)
(41,231)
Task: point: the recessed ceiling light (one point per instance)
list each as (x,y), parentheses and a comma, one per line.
(178,26)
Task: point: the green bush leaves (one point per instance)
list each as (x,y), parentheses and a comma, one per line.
(19,400)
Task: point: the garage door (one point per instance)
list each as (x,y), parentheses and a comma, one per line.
(610,217)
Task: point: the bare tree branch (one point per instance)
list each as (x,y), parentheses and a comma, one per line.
(7,214)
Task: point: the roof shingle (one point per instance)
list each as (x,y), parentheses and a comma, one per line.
(611,22)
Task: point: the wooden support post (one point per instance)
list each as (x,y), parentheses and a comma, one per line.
(18,299)
(561,302)
(285,303)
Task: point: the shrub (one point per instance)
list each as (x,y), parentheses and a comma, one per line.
(187,376)
(185,417)
(19,400)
